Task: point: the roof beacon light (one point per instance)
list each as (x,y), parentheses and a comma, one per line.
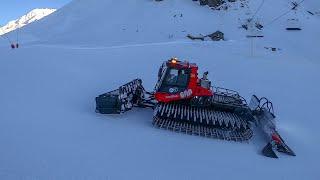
(174,60)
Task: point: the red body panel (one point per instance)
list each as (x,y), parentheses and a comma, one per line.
(193,89)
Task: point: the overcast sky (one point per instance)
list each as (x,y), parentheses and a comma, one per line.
(13,9)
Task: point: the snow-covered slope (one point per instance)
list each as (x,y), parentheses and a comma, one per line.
(111,22)
(30,17)
(48,127)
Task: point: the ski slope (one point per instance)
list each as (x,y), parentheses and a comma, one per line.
(48,127)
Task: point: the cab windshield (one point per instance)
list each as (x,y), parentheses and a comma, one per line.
(176,77)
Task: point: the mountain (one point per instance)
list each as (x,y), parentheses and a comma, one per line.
(48,125)
(24,20)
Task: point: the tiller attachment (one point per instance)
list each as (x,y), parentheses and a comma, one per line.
(121,99)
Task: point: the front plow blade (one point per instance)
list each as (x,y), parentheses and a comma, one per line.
(281,146)
(284,148)
(268,151)
(262,110)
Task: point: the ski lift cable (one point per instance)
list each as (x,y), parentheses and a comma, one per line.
(18,29)
(258,9)
(277,18)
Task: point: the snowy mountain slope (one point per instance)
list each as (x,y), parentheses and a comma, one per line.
(30,17)
(111,22)
(131,22)
(48,127)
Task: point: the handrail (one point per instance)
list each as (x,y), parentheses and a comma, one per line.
(228,92)
(265,103)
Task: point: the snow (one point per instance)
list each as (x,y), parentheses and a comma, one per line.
(30,17)
(48,127)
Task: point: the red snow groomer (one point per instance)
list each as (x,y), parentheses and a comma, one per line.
(185,103)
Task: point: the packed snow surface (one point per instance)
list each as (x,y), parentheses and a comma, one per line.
(48,126)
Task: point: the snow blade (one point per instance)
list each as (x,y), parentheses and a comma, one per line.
(284,148)
(262,109)
(268,151)
(122,99)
